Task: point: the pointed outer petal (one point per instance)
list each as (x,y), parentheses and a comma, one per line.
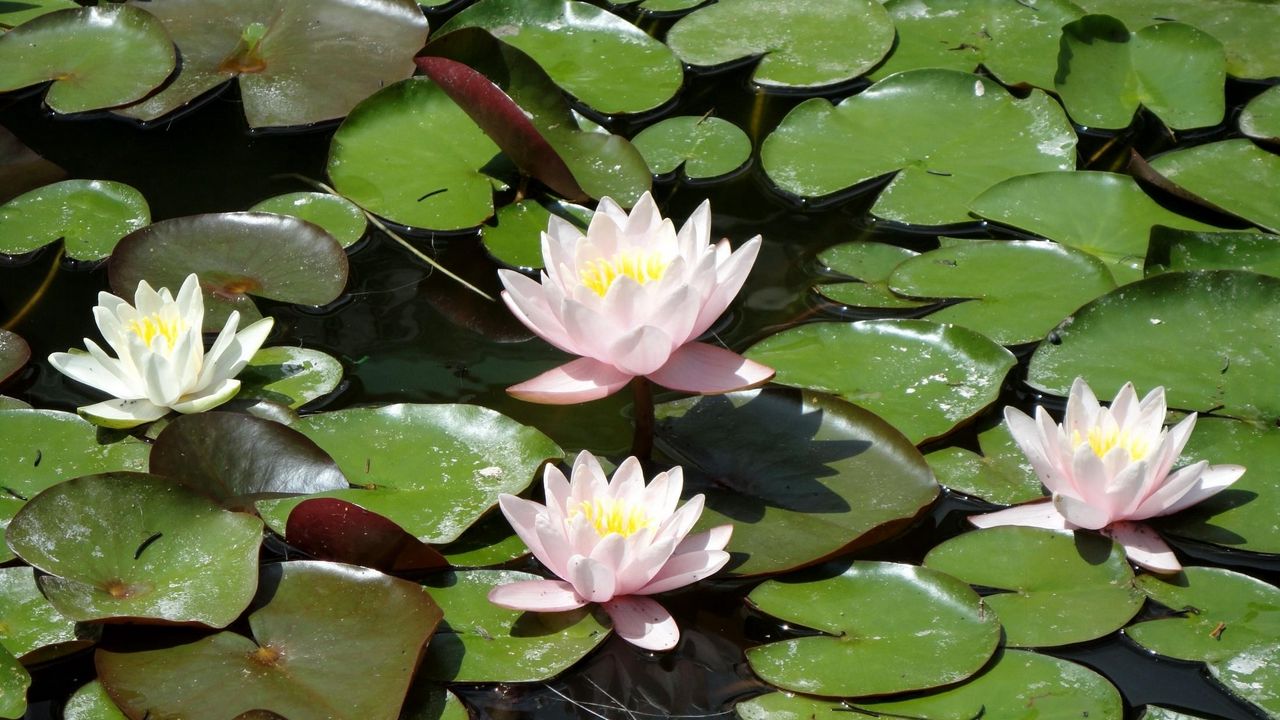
(1170,449)
(1125,405)
(1089,474)
(627,484)
(127,374)
(1082,408)
(161,380)
(717,538)
(678,525)
(642,351)
(608,552)
(1028,435)
(685,569)
(643,623)
(708,370)
(1041,514)
(591,579)
(587,480)
(644,217)
(208,398)
(604,239)
(556,546)
(89,370)
(241,350)
(676,314)
(730,275)
(1213,480)
(536,596)
(219,348)
(1082,514)
(1170,491)
(662,494)
(523,515)
(527,301)
(147,301)
(1055,443)
(574,382)
(695,234)
(1144,547)
(556,489)
(590,332)
(109,325)
(112,303)
(610,208)
(121,414)
(1147,421)
(189,294)
(186,360)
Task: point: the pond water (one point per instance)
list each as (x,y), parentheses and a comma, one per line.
(405,333)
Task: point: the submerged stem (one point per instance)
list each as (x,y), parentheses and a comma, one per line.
(38,295)
(642,407)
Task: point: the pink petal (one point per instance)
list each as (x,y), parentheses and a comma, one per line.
(686,569)
(1143,546)
(574,382)
(522,515)
(556,547)
(731,274)
(556,489)
(643,622)
(627,485)
(528,302)
(1080,513)
(587,480)
(1213,480)
(536,596)
(662,494)
(1041,514)
(1027,434)
(591,579)
(641,351)
(717,538)
(707,369)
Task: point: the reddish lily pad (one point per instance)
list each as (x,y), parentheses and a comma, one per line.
(333,529)
(97,57)
(236,255)
(314,624)
(14,354)
(431,469)
(237,459)
(298,61)
(801,497)
(131,545)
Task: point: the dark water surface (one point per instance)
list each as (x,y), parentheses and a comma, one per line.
(406,334)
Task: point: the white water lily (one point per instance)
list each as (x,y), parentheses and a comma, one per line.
(160,362)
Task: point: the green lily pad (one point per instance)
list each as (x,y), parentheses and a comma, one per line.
(90,216)
(1229,621)
(288,375)
(904,627)
(431,469)
(488,542)
(337,215)
(10,403)
(298,61)
(481,642)
(14,354)
(431,701)
(235,459)
(130,545)
(801,44)
(1243,26)
(516,237)
(801,497)
(661,6)
(870,263)
(97,57)
(1174,70)
(1104,214)
(314,624)
(1016,41)
(1260,119)
(333,529)
(411,155)
(91,702)
(1234,176)
(30,628)
(236,255)
(1217,361)
(1155,712)
(1001,474)
(1017,290)
(703,147)
(1243,516)
(14,681)
(925,378)
(1177,250)
(1018,685)
(40,448)
(13,14)
(1062,587)
(596,56)
(944,135)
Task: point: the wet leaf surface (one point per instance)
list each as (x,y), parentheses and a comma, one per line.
(1260,119)
(30,628)
(337,215)
(14,354)
(1000,475)
(516,237)
(871,263)
(1233,175)
(701,148)
(14,681)
(333,529)
(91,702)
(1179,250)
(290,376)
(90,216)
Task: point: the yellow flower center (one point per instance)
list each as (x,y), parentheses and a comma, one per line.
(1102,441)
(611,516)
(639,265)
(147,328)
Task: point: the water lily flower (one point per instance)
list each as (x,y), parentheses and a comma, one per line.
(160,362)
(1109,468)
(630,296)
(613,542)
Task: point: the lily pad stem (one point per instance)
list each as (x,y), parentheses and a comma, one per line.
(642,409)
(38,295)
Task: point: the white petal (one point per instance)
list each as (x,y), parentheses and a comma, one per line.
(1041,514)
(122,414)
(643,622)
(1144,547)
(208,398)
(89,370)
(238,353)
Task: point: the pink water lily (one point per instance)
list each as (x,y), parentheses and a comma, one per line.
(630,297)
(1109,468)
(613,542)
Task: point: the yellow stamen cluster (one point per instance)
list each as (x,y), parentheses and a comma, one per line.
(1103,441)
(150,326)
(639,265)
(612,516)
